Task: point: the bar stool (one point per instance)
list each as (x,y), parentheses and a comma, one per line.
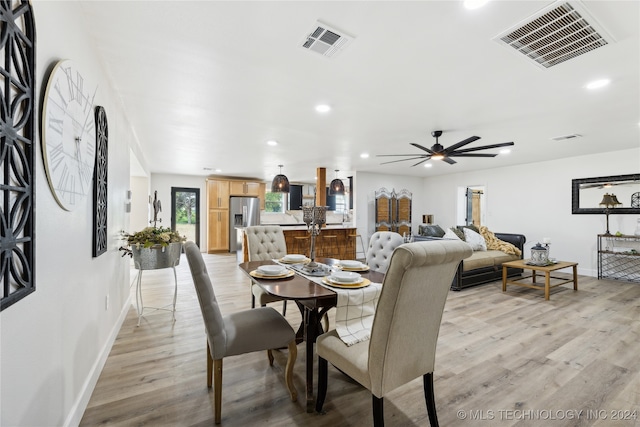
(301,245)
(352,246)
(330,246)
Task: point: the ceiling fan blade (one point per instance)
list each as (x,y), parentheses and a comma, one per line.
(422,148)
(422,161)
(461,144)
(472,155)
(392,155)
(485,147)
(402,160)
(449,160)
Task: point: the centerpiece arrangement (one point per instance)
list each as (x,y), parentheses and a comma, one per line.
(153,247)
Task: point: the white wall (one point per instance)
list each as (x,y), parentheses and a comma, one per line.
(535,200)
(139,216)
(162,183)
(53,342)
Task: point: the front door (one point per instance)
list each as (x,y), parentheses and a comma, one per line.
(185,212)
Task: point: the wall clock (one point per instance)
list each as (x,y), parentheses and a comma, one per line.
(69,135)
(100,184)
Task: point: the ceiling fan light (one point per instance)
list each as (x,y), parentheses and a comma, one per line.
(437,156)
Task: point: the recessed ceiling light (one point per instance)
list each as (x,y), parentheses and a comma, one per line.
(364,155)
(428,165)
(218,170)
(505,151)
(272,142)
(474,4)
(596,84)
(323,108)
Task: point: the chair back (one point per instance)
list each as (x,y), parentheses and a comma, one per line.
(381,246)
(265,242)
(211,314)
(407,320)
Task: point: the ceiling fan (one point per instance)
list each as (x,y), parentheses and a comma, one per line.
(438,152)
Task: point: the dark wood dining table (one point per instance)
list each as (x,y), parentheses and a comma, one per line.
(312,299)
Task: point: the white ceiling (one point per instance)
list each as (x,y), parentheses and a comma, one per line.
(205,84)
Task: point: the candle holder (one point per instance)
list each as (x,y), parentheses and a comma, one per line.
(314,216)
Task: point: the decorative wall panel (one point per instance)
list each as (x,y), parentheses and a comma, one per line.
(17,153)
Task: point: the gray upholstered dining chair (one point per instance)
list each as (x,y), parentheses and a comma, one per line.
(405,328)
(381,246)
(265,242)
(237,333)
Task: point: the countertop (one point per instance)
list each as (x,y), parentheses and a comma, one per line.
(295,227)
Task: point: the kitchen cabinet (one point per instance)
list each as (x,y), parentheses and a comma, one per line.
(245,188)
(218,230)
(218,215)
(217,194)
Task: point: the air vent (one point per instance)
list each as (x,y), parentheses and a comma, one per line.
(325,40)
(563,137)
(556,34)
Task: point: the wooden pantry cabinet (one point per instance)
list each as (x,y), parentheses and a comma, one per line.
(218,215)
(218,193)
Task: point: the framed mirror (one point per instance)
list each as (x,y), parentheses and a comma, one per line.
(586,194)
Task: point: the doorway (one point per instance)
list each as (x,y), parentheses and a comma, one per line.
(475,204)
(185,212)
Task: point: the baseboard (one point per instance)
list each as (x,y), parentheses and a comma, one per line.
(79,406)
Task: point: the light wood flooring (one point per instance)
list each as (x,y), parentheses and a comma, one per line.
(503,359)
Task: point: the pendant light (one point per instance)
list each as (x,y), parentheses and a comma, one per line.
(336,187)
(280,183)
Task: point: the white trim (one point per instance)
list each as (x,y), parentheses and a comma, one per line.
(80,405)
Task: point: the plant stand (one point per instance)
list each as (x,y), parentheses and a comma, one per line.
(154,258)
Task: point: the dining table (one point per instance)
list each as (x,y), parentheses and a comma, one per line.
(313,300)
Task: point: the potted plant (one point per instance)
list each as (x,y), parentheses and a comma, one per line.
(153,247)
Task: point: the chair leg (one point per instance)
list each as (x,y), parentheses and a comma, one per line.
(288,373)
(378,413)
(284,307)
(217,390)
(270,356)
(429,397)
(322,383)
(325,322)
(209,365)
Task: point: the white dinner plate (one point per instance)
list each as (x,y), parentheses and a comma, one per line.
(345,277)
(272,270)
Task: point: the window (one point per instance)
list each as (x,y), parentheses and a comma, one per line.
(275,202)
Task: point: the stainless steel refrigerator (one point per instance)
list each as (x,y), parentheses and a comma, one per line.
(243,212)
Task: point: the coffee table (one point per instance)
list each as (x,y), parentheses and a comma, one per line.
(547,269)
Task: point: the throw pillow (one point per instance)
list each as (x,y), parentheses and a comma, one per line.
(450,234)
(475,240)
(458,233)
(471,227)
(430,230)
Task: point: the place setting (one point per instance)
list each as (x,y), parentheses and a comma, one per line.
(272,272)
(346,280)
(294,259)
(352,265)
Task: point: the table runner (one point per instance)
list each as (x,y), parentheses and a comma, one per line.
(355,308)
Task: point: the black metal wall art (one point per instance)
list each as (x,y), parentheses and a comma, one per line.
(17,153)
(100,184)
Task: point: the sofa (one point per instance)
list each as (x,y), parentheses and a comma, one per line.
(483,266)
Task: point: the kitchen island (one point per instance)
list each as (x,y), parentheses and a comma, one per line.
(340,246)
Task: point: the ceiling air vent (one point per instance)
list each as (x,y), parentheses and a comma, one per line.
(556,34)
(325,40)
